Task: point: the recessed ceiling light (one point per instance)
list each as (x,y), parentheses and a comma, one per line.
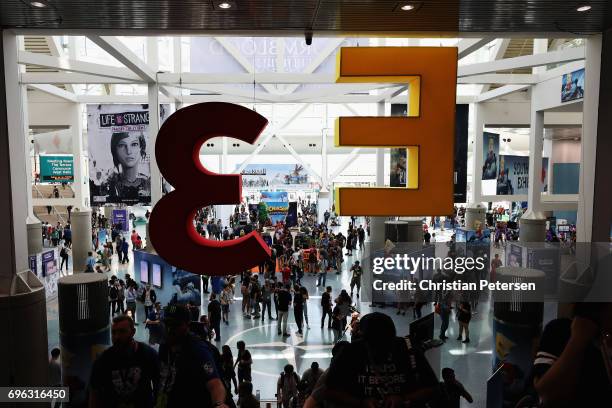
(408,7)
(224,5)
(38,3)
(583,8)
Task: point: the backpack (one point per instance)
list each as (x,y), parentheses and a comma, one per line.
(225,235)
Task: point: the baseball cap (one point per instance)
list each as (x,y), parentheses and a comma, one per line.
(176,313)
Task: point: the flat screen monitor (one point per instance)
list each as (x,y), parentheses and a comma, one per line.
(144,271)
(156,275)
(422,330)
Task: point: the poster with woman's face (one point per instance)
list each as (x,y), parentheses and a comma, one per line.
(119,153)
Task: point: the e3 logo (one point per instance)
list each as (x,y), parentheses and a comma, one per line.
(177,152)
(427,133)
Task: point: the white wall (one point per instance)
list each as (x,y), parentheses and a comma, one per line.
(48,111)
(566,151)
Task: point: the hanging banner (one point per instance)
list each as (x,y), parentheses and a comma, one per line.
(277,205)
(264,176)
(490,156)
(49,265)
(572,86)
(54,169)
(120,153)
(513,177)
(120,217)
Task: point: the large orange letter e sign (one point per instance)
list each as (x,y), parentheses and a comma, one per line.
(428,133)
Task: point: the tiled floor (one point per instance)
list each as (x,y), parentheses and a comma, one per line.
(472,362)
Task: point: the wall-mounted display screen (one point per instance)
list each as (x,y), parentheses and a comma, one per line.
(156,275)
(144,271)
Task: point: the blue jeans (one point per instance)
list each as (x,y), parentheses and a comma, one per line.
(322,279)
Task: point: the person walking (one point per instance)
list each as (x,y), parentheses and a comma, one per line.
(120,285)
(154,325)
(286,387)
(124,249)
(228,373)
(450,391)
(266,300)
(214,315)
(113,294)
(127,373)
(227,298)
(130,296)
(298,308)
(284,300)
(305,296)
(444,309)
(55,368)
(356,272)
(64,256)
(148,298)
(326,307)
(244,362)
(464,315)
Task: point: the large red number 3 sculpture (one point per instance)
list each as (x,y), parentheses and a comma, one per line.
(178,156)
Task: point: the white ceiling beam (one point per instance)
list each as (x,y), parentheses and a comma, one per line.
(65,64)
(57,51)
(297,157)
(392,93)
(243,61)
(189,99)
(525,61)
(331,47)
(118,50)
(467,46)
(55,91)
(504,90)
(70,78)
(331,91)
(232,90)
(505,79)
(270,134)
(498,52)
(347,161)
(559,71)
(245,78)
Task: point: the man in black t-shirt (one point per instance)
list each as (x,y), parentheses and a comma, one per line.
(284,300)
(450,391)
(380,369)
(126,374)
(187,366)
(569,368)
(326,307)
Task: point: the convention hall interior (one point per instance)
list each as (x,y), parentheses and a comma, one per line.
(207,203)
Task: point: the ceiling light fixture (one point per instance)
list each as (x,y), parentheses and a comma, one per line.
(408,7)
(583,8)
(36,3)
(224,6)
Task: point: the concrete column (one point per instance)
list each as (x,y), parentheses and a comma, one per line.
(475,216)
(477,131)
(81,239)
(156,182)
(536,144)
(34,238)
(588,152)
(23,340)
(81,180)
(532,227)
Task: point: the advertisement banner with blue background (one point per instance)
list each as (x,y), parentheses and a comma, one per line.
(277,203)
(572,86)
(56,169)
(513,175)
(120,216)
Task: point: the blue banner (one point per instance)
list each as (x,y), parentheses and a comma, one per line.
(120,217)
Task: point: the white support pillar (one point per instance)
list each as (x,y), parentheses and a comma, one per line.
(478,128)
(540,46)
(590,118)
(324,174)
(81,179)
(156,183)
(23,311)
(536,144)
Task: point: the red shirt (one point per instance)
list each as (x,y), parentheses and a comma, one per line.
(286,273)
